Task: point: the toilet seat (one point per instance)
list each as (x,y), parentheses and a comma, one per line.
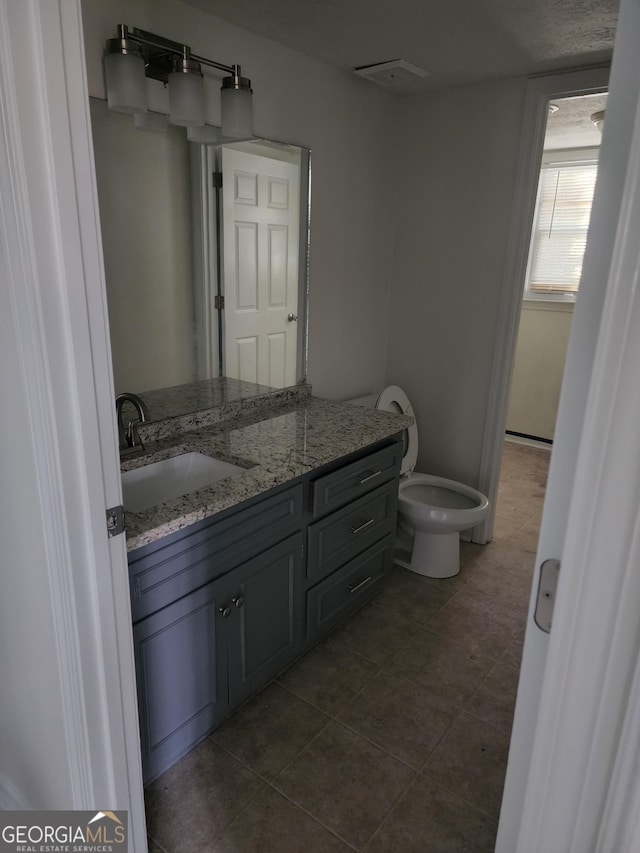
(432,511)
(445,505)
(393,399)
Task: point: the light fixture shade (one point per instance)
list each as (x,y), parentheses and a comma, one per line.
(151,122)
(186,99)
(126,82)
(237,118)
(598,119)
(206,135)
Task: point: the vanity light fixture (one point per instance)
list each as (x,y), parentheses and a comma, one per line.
(598,119)
(136,54)
(207,134)
(151,122)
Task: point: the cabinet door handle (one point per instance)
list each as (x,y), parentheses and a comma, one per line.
(238,600)
(368,477)
(225,610)
(356,586)
(359,527)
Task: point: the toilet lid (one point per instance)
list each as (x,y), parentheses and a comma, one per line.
(393,399)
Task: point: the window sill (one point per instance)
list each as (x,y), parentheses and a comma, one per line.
(548,305)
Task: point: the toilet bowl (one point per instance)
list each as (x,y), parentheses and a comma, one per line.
(431,510)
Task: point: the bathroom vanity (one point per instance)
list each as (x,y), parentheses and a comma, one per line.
(231,583)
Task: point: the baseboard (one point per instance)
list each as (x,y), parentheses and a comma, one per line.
(529,440)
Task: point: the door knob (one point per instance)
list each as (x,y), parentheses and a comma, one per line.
(292,317)
(238,600)
(225,610)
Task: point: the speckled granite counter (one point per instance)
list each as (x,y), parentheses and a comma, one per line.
(200,404)
(277,445)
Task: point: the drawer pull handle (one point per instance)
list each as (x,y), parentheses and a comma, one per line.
(238,600)
(225,610)
(362,526)
(359,585)
(367,477)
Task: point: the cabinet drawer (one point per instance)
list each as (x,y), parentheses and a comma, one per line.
(339,537)
(189,561)
(331,600)
(355,479)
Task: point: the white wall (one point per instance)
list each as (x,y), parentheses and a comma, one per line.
(348,124)
(456,159)
(145,215)
(543,338)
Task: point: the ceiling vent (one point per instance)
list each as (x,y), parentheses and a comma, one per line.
(397,72)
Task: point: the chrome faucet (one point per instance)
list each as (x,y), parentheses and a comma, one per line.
(128,437)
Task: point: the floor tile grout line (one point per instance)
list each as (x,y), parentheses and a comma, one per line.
(449,728)
(457,711)
(348,702)
(390,812)
(313,817)
(455,793)
(157,843)
(261,776)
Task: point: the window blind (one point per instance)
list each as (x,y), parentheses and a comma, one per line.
(565,196)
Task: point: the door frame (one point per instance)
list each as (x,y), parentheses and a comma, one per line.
(540,90)
(548,805)
(583,789)
(56,281)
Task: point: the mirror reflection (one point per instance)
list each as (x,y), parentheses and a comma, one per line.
(205,253)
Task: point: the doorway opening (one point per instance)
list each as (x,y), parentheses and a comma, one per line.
(558,236)
(541,92)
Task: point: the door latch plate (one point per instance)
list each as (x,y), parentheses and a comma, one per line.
(115,521)
(546,598)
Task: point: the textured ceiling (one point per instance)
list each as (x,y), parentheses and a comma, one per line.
(456,41)
(571,125)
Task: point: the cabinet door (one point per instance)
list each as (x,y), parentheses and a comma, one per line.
(181,669)
(265,626)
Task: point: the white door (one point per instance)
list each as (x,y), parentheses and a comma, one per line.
(568,771)
(260,244)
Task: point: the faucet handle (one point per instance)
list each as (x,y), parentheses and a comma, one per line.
(132,433)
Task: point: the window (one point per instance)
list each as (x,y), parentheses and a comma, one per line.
(559,237)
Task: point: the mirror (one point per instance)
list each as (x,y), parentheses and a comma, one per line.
(205,253)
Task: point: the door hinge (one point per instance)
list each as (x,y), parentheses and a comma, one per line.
(216,180)
(115,521)
(218,302)
(546,598)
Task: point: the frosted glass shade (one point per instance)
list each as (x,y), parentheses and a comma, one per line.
(126,82)
(207,134)
(186,99)
(237,120)
(151,122)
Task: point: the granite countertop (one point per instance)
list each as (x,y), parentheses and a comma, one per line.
(276,445)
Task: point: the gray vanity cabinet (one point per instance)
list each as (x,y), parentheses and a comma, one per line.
(206,652)
(224,605)
(217,611)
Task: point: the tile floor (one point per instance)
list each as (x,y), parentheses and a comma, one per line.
(391,736)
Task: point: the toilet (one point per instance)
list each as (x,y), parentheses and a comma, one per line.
(431,510)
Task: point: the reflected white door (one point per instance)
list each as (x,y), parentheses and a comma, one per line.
(260,247)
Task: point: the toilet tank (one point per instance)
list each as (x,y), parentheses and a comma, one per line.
(368,401)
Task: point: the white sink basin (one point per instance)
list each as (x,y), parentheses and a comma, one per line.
(153,484)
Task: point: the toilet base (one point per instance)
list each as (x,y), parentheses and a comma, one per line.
(434,555)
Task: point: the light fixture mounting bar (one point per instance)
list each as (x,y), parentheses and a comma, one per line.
(163,46)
